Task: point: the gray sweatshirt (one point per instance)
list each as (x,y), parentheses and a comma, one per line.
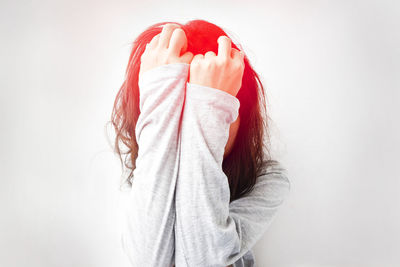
(179,210)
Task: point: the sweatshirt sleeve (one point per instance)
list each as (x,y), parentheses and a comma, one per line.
(210,231)
(148,237)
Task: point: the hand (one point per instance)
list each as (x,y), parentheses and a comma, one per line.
(166,48)
(223,72)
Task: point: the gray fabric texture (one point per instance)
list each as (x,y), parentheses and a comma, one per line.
(179,211)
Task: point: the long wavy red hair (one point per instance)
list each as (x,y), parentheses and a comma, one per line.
(250,151)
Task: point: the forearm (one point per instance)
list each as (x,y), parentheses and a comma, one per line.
(206,234)
(210,230)
(149,237)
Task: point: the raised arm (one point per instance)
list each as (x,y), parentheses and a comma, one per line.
(210,231)
(148,239)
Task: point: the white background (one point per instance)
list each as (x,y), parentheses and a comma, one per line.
(331,71)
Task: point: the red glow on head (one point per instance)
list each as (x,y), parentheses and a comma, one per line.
(202,37)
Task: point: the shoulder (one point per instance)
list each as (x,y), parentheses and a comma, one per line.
(274,167)
(273,178)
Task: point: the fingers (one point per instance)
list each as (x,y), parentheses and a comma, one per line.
(166,33)
(197,57)
(236,54)
(187,57)
(224,47)
(209,54)
(154,41)
(173,38)
(178,42)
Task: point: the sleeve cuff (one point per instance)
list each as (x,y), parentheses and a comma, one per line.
(162,72)
(214,98)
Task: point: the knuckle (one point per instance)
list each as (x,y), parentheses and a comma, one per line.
(196,60)
(208,63)
(238,64)
(155,37)
(223,38)
(220,62)
(223,62)
(170,26)
(210,53)
(178,31)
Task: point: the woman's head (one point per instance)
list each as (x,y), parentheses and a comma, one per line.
(244,153)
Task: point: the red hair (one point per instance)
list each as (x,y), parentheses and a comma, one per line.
(249,153)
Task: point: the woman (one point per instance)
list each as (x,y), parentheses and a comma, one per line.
(204,188)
